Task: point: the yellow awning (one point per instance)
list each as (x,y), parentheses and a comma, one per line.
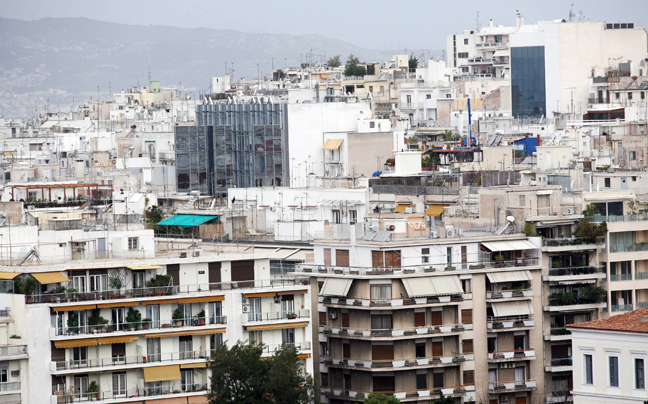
(261,294)
(45,278)
(188,332)
(324,75)
(75,307)
(401,208)
(304,356)
(162,373)
(193,365)
(162,301)
(136,267)
(73,343)
(202,299)
(276,326)
(117,340)
(434,210)
(332,144)
(8,275)
(120,304)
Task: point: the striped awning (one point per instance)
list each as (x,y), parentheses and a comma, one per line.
(432,286)
(336,287)
(118,304)
(74,343)
(8,275)
(434,210)
(45,278)
(117,340)
(282,326)
(332,144)
(75,307)
(202,299)
(162,373)
(193,365)
(509,276)
(208,331)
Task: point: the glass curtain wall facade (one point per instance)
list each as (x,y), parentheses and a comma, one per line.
(528,95)
(232,145)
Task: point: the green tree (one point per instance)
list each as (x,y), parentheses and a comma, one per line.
(375,398)
(240,375)
(589,211)
(334,61)
(590,231)
(154,215)
(413,62)
(352,67)
(444,400)
(371,69)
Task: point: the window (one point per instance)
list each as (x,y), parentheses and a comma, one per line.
(288,336)
(153,350)
(187,379)
(616,96)
(428,96)
(465,70)
(133,243)
(215,313)
(633,155)
(449,255)
(629,96)
(643,95)
(614,370)
(81,385)
(353,216)
(465,41)
(186,347)
(153,312)
(80,355)
(421,381)
(420,350)
(607,182)
(215,340)
(634,178)
(337,217)
(254,337)
(78,283)
(640,375)
(255,309)
(425,255)
(522,200)
(371,91)
(119,384)
(462,55)
(138,279)
(381,322)
(379,292)
(466,284)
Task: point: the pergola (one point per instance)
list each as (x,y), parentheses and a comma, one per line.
(49,187)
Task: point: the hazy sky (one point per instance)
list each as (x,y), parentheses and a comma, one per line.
(375,24)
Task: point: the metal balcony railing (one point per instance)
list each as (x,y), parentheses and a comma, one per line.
(130,360)
(135,392)
(143,325)
(250,317)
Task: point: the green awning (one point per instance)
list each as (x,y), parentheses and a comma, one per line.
(187,220)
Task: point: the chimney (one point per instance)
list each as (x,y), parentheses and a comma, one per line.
(519,19)
(490,23)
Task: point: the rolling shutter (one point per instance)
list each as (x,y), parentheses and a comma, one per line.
(242,271)
(382,352)
(419,319)
(174,271)
(466,316)
(342,258)
(214,275)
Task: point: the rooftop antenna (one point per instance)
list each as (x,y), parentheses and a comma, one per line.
(571,13)
(477,24)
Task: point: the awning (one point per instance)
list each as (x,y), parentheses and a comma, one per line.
(202,299)
(138,267)
(187,220)
(207,331)
(162,373)
(509,309)
(512,245)
(283,326)
(332,144)
(432,286)
(304,356)
(74,343)
(117,340)
(324,75)
(401,208)
(45,278)
(147,302)
(261,294)
(75,307)
(193,365)
(512,276)
(336,287)
(292,292)
(119,304)
(434,210)
(8,275)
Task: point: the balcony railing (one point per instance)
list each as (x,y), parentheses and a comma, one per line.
(641,275)
(398,363)
(511,355)
(641,305)
(621,307)
(130,360)
(572,241)
(496,323)
(165,290)
(144,325)
(508,294)
(628,248)
(13,350)
(9,386)
(433,392)
(499,387)
(135,392)
(559,331)
(361,302)
(403,270)
(620,277)
(571,271)
(251,317)
(301,346)
(620,218)
(395,332)
(561,361)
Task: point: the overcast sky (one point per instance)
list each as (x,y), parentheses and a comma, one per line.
(374,24)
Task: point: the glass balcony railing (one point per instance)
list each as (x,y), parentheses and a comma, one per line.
(620,277)
(578,270)
(621,307)
(298,314)
(143,325)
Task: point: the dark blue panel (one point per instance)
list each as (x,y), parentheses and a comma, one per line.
(528,93)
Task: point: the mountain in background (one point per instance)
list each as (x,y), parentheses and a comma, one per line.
(59,62)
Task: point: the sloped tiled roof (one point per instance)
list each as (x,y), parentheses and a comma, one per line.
(633,321)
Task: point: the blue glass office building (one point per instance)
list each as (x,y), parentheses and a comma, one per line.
(528,94)
(232,145)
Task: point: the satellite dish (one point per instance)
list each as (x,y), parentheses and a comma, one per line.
(510,219)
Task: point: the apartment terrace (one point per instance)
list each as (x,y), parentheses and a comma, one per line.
(517,323)
(571,244)
(403,396)
(510,356)
(510,387)
(150,392)
(394,333)
(400,364)
(394,303)
(575,273)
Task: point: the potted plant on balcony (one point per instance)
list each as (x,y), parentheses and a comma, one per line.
(497,324)
(72,294)
(96,321)
(146,323)
(58,291)
(73,323)
(133,318)
(94,388)
(178,316)
(499,261)
(201,317)
(291,316)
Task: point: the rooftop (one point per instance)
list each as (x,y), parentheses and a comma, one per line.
(633,321)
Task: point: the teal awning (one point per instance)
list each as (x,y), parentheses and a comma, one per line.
(187,220)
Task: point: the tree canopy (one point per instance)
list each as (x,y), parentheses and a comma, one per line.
(352,67)
(334,61)
(375,398)
(240,375)
(413,62)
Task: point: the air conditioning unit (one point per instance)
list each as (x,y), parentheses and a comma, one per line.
(509,365)
(333,315)
(245,309)
(450,231)
(245,301)
(196,253)
(15,373)
(570,211)
(183,254)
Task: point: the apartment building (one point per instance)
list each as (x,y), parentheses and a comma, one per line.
(610,359)
(14,356)
(126,328)
(417,317)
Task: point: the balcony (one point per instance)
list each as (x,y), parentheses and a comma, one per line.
(572,244)
(487,45)
(196,389)
(628,248)
(560,365)
(510,356)
(510,387)
(403,396)
(400,302)
(274,316)
(99,364)
(399,364)
(151,293)
(619,218)
(144,327)
(558,333)
(12,352)
(301,346)
(494,324)
(584,298)
(390,334)
(478,61)
(620,277)
(509,294)
(9,387)
(425,268)
(575,273)
(618,308)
